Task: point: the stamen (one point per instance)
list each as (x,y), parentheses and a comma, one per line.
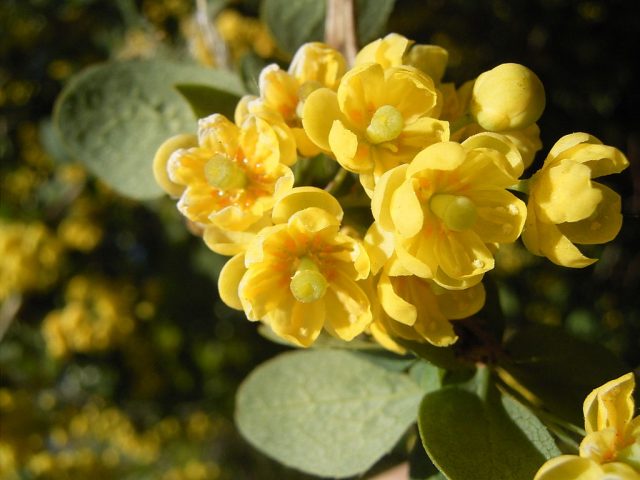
(223,173)
(456,211)
(386,124)
(308,284)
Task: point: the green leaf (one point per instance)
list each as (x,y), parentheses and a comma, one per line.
(443,357)
(250,67)
(427,375)
(420,465)
(113,116)
(559,369)
(467,437)
(294,23)
(205,100)
(325,412)
(372,17)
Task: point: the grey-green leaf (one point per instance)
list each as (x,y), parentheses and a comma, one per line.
(559,369)
(112,117)
(205,100)
(294,23)
(372,17)
(325,412)
(471,439)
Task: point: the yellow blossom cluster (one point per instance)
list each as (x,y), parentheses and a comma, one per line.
(440,167)
(96,440)
(611,447)
(96,315)
(31,255)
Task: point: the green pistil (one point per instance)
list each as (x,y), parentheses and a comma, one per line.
(456,211)
(386,124)
(223,173)
(308,284)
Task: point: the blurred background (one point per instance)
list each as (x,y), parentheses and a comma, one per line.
(117,358)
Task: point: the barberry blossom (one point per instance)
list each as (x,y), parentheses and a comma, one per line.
(302,274)
(611,448)
(448,205)
(566,207)
(378,119)
(314,65)
(232,178)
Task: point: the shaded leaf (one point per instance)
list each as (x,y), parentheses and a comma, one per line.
(468,437)
(559,369)
(205,100)
(372,17)
(294,23)
(113,116)
(325,412)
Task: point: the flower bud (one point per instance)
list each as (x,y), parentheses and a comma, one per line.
(508,97)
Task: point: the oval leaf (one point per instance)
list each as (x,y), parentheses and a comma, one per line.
(112,117)
(294,23)
(559,369)
(468,438)
(325,412)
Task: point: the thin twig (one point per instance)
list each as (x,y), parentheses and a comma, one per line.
(340,28)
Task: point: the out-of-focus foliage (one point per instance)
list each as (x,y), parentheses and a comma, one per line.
(119,360)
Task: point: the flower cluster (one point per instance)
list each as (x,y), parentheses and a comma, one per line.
(439,167)
(611,447)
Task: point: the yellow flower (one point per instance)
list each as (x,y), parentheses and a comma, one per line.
(508,97)
(565,206)
(456,103)
(417,309)
(394,50)
(315,65)
(301,274)
(378,119)
(611,448)
(448,204)
(233,177)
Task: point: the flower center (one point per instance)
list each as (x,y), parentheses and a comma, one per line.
(386,124)
(456,211)
(308,284)
(223,173)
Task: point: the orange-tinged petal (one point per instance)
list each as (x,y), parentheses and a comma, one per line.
(262,290)
(229,281)
(318,114)
(361,91)
(457,304)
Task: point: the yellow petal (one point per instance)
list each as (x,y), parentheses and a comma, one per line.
(611,405)
(410,91)
(161,159)
(456,304)
(394,305)
(279,90)
(229,242)
(601,159)
(501,215)
(431,59)
(463,254)
(317,62)
(263,290)
(229,281)
(311,220)
(417,255)
(379,245)
(344,145)
(217,134)
(564,193)
(569,467)
(602,226)
(599,446)
(383,193)
(304,144)
(547,240)
(620,471)
(300,323)
(422,132)
(527,141)
(387,51)
(361,90)
(568,141)
(502,144)
(319,112)
(349,306)
(441,156)
(300,198)
(406,210)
